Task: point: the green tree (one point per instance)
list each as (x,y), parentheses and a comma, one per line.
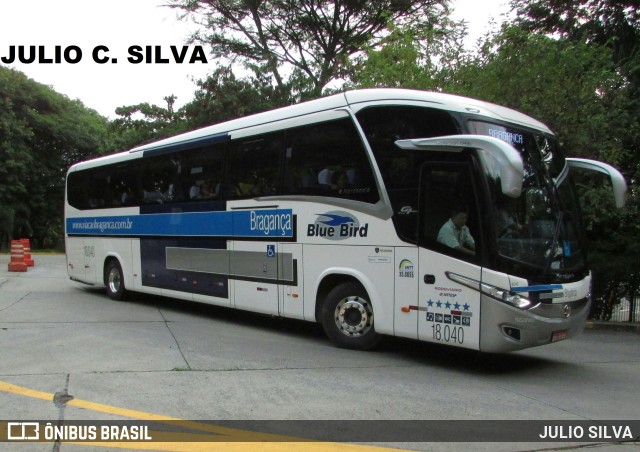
(143,123)
(412,57)
(41,134)
(222,96)
(219,97)
(611,23)
(570,86)
(614,27)
(311,39)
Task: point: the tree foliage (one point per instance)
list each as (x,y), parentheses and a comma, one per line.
(142,123)
(41,134)
(570,86)
(219,97)
(412,57)
(222,96)
(311,39)
(612,23)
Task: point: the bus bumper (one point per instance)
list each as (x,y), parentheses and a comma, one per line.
(506,328)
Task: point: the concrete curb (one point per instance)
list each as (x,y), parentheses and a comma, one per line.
(612,326)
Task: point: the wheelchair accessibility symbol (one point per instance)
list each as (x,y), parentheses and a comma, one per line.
(271,251)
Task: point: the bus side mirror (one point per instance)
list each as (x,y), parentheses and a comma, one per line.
(498,157)
(617,179)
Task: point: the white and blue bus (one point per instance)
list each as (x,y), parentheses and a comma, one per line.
(336,211)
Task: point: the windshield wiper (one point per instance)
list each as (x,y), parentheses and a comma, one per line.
(554,244)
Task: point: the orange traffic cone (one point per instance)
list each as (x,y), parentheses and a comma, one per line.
(27,252)
(17,263)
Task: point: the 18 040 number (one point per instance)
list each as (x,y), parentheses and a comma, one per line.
(447,333)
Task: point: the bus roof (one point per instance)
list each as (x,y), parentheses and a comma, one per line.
(439,100)
(449,102)
(350,98)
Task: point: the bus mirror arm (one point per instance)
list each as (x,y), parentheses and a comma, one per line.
(617,179)
(509,162)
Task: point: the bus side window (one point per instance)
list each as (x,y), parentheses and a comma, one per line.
(157,181)
(254,167)
(195,174)
(78,195)
(400,170)
(328,159)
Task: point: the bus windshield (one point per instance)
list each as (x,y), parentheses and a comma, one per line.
(536,234)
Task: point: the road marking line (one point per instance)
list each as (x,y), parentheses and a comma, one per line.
(246,440)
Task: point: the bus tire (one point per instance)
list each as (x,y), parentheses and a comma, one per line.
(114,280)
(347,318)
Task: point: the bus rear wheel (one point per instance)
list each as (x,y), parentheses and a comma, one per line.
(114,280)
(347,318)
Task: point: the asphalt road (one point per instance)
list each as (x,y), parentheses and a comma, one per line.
(161,357)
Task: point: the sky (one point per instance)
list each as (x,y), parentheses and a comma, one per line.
(82,27)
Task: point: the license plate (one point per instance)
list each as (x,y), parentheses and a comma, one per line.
(559,335)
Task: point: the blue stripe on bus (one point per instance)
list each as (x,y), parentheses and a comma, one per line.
(268,223)
(537,288)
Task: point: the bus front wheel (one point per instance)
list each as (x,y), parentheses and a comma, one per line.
(114,280)
(347,318)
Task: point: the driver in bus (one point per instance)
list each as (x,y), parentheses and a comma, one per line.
(455,233)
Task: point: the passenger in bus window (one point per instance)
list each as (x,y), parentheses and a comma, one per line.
(208,191)
(324,177)
(455,233)
(170,194)
(195,189)
(339,181)
(252,187)
(127,197)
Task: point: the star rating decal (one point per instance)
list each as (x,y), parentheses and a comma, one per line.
(447,305)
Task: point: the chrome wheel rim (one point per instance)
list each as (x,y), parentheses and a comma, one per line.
(115,281)
(354,316)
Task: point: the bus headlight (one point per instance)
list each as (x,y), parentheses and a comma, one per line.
(497,293)
(505,296)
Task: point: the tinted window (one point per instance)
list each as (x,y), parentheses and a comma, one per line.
(400,169)
(328,159)
(199,173)
(449,219)
(105,187)
(254,167)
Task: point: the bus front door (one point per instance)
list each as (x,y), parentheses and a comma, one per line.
(448,305)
